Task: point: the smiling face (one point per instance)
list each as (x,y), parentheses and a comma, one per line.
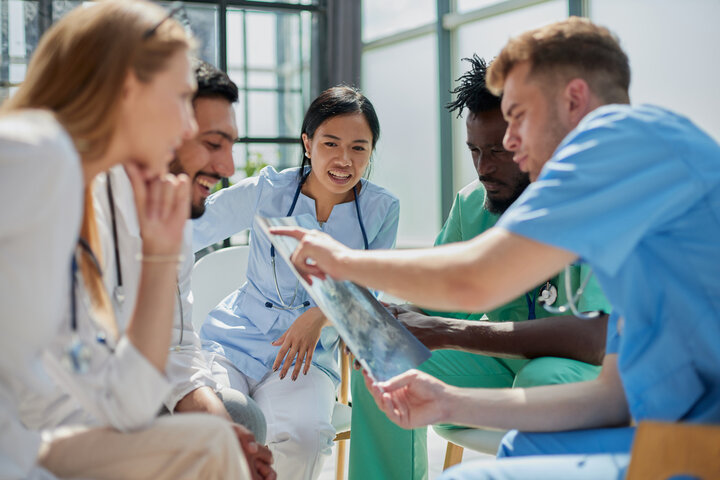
(501,177)
(535,127)
(207,157)
(339,153)
(157,116)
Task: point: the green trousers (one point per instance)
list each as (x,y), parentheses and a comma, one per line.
(380,450)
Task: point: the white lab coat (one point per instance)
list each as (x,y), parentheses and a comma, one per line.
(41,194)
(122,388)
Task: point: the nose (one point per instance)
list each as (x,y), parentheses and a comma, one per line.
(485,165)
(345,160)
(511,141)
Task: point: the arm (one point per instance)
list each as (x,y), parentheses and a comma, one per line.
(227,212)
(203,399)
(163,207)
(476,275)
(562,336)
(414,399)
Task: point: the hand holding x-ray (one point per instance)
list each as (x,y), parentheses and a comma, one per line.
(379,342)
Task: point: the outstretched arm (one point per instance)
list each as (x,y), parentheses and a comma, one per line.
(415,399)
(476,275)
(562,336)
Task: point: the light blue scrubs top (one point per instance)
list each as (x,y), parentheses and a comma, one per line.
(635,192)
(242,327)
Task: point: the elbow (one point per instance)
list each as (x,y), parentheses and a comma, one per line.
(126,420)
(468,295)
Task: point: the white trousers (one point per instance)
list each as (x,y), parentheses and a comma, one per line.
(298,414)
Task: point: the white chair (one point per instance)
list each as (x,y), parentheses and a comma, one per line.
(219,273)
(478,439)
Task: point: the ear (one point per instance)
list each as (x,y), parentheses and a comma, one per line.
(131,85)
(576,98)
(306,142)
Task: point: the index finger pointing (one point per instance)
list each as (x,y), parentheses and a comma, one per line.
(296,232)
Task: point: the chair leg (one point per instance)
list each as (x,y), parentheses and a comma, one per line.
(340,466)
(453,455)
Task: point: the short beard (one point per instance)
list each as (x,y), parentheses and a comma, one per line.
(499,205)
(196,211)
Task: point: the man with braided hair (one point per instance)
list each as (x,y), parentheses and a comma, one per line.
(497,352)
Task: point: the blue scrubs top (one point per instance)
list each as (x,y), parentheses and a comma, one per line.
(635,192)
(242,327)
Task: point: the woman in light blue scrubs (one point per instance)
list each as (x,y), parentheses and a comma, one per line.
(268,339)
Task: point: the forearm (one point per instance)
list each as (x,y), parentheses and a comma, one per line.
(566,337)
(203,399)
(150,328)
(592,404)
(477,275)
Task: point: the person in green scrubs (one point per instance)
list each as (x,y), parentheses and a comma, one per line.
(502,349)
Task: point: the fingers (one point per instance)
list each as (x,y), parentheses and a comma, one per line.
(282,352)
(308,361)
(294,232)
(288,361)
(299,363)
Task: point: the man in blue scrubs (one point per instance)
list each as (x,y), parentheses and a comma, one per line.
(634,192)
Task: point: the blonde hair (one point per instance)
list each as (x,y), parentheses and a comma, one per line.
(571,48)
(78,72)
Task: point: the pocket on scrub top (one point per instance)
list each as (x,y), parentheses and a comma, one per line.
(254,311)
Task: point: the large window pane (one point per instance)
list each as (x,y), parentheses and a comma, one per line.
(401,81)
(19,35)
(486,38)
(269,59)
(673,51)
(382,18)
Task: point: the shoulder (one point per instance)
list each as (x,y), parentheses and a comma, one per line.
(473,193)
(282,178)
(377,194)
(35,135)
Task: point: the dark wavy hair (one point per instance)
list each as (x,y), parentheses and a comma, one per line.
(472,93)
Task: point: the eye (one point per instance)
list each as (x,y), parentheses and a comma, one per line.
(359,148)
(330,144)
(212,146)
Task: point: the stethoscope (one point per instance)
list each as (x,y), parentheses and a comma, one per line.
(548,294)
(119,291)
(77,353)
(291,306)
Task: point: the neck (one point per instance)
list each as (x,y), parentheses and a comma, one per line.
(324,199)
(114,155)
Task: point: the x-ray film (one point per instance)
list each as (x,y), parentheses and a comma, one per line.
(382,345)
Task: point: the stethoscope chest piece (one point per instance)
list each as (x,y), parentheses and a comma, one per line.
(548,294)
(77,356)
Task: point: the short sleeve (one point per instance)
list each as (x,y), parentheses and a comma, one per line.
(452,229)
(610,182)
(227,212)
(612,342)
(387,234)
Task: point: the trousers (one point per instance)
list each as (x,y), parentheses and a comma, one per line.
(188,446)
(298,414)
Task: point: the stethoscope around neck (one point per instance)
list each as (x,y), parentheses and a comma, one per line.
(548,294)
(283,305)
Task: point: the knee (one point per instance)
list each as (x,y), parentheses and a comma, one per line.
(305,437)
(244,411)
(552,371)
